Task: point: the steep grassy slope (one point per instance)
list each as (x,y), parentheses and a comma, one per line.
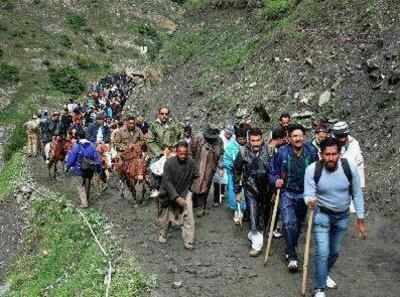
(50,50)
(232,63)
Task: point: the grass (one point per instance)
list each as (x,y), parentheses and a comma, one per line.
(10,174)
(61,259)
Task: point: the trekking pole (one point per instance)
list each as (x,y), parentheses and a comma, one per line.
(272,225)
(307,252)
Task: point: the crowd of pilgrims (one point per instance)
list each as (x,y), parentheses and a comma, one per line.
(239,164)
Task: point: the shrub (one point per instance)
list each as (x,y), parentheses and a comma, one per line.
(276,9)
(8,73)
(15,142)
(151,39)
(66,80)
(76,22)
(85,63)
(65,41)
(100,42)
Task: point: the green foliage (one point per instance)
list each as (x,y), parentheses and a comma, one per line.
(196,4)
(85,63)
(7,4)
(65,41)
(276,9)
(10,174)
(101,43)
(16,141)
(66,80)
(180,2)
(8,74)
(149,37)
(76,22)
(66,260)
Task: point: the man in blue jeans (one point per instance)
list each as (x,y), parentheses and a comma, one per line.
(287,173)
(329,186)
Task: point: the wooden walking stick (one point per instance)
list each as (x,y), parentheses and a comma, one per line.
(272,225)
(307,252)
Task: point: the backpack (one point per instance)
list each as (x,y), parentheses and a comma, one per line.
(346,169)
(86,161)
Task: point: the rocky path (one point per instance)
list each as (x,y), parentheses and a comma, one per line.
(220,265)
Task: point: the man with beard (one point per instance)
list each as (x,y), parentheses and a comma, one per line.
(175,196)
(128,134)
(207,149)
(251,169)
(329,186)
(321,133)
(350,149)
(287,173)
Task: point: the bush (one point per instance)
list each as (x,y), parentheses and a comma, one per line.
(85,63)
(100,42)
(8,73)
(76,22)
(151,39)
(276,9)
(66,80)
(16,141)
(65,41)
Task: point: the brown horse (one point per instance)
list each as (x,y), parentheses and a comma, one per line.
(131,167)
(56,151)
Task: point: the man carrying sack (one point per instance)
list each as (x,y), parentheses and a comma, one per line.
(329,185)
(176,196)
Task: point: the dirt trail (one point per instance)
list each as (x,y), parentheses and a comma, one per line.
(220,265)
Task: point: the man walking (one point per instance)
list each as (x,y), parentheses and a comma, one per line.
(328,187)
(176,197)
(251,169)
(164,134)
(206,149)
(33,133)
(287,173)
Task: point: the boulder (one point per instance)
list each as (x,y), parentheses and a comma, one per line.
(324,98)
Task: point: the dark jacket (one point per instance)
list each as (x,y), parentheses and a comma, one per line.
(177,180)
(55,128)
(44,130)
(251,170)
(290,168)
(92,131)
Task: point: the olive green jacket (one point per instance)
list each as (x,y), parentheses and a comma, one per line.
(163,136)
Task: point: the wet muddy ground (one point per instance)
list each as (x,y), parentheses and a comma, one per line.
(220,265)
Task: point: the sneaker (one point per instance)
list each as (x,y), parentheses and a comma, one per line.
(216,204)
(236,218)
(188,246)
(276,234)
(293,266)
(162,239)
(319,293)
(330,283)
(154,194)
(254,253)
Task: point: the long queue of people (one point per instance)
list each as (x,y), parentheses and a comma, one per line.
(240,165)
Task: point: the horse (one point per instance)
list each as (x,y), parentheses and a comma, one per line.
(131,167)
(55,152)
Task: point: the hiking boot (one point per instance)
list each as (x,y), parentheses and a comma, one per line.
(254,253)
(188,246)
(200,212)
(162,239)
(330,283)
(293,266)
(154,194)
(319,293)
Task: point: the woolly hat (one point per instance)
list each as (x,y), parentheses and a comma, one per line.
(341,128)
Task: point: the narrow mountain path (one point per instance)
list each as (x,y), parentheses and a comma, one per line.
(220,265)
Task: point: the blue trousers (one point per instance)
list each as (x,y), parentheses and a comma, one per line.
(329,231)
(293,212)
